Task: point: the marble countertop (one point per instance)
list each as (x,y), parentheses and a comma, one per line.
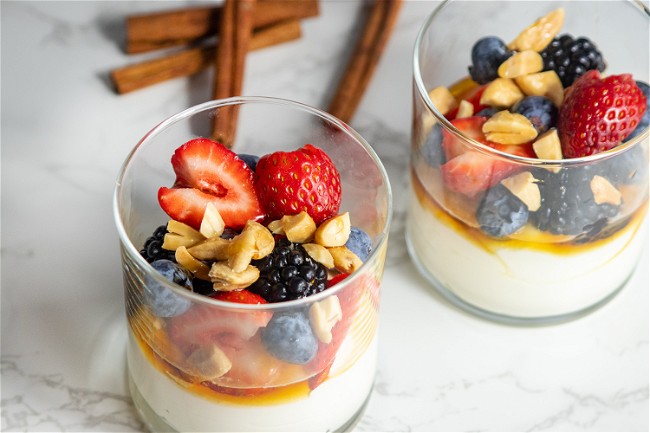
(64,136)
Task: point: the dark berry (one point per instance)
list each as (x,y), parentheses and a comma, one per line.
(288,273)
(540,110)
(162,300)
(571,58)
(487,55)
(487,112)
(501,213)
(567,205)
(288,337)
(250,160)
(432,147)
(645,120)
(229,233)
(359,243)
(153,250)
(630,166)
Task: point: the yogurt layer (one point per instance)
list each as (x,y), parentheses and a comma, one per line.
(519,281)
(330,406)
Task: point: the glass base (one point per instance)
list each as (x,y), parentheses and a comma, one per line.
(497,317)
(154,423)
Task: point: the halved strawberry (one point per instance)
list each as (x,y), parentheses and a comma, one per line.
(206,171)
(239,296)
(470,171)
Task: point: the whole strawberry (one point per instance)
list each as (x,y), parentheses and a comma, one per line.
(301,180)
(597,114)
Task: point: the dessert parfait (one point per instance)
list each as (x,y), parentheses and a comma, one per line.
(253,306)
(529,172)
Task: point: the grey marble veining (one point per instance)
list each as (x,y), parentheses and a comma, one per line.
(64,136)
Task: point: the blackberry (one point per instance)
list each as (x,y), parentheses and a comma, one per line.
(153,249)
(571,58)
(567,205)
(288,273)
(501,213)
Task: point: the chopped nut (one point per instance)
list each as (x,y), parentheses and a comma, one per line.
(442,98)
(215,248)
(196,267)
(521,63)
(465,109)
(524,187)
(545,83)
(345,260)
(334,232)
(604,191)
(539,34)
(207,363)
(276,227)
(254,242)
(505,127)
(224,278)
(212,224)
(320,254)
(323,315)
(180,235)
(299,228)
(501,92)
(547,146)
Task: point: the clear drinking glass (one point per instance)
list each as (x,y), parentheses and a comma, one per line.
(537,274)
(260,392)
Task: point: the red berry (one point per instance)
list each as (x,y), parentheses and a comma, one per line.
(597,114)
(206,171)
(239,296)
(470,171)
(306,179)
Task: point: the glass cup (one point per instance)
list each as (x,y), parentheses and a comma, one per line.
(176,364)
(563,255)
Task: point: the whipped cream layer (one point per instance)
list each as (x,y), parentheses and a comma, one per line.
(519,281)
(330,406)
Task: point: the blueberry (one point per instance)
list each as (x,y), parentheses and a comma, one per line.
(540,110)
(487,55)
(359,243)
(250,160)
(501,213)
(487,112)
(163,301)
(288,337)
(431,149)
(645,120)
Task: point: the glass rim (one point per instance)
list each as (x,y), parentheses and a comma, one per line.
(476,145)
(135,255)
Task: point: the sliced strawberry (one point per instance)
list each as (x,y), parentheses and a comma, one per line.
(470,127)
(473,97)
(206,171)
(239,296)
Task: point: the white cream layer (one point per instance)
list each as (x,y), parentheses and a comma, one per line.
(328,407)
(521,282)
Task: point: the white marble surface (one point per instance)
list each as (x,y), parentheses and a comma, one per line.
(64,136)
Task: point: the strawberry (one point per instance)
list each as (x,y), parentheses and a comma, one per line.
(206,324)
(597,114)
(206,171)
(239,296)
(301,180)
(470,171)
(473,97)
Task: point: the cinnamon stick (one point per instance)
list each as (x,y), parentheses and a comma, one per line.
(183,26)
(195,60)
(234,35)
(365,57)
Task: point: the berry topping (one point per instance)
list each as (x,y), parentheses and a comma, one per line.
(598,114)
(302,180)
(288,273)
(207,172)
(540,110)
(163,301)
(153,249)
(501,213)
(568,206)
(239,296)
(432,148)
(571,58)
(645,120)
(487,55)
(289,337)
(359,243)
(250,160)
